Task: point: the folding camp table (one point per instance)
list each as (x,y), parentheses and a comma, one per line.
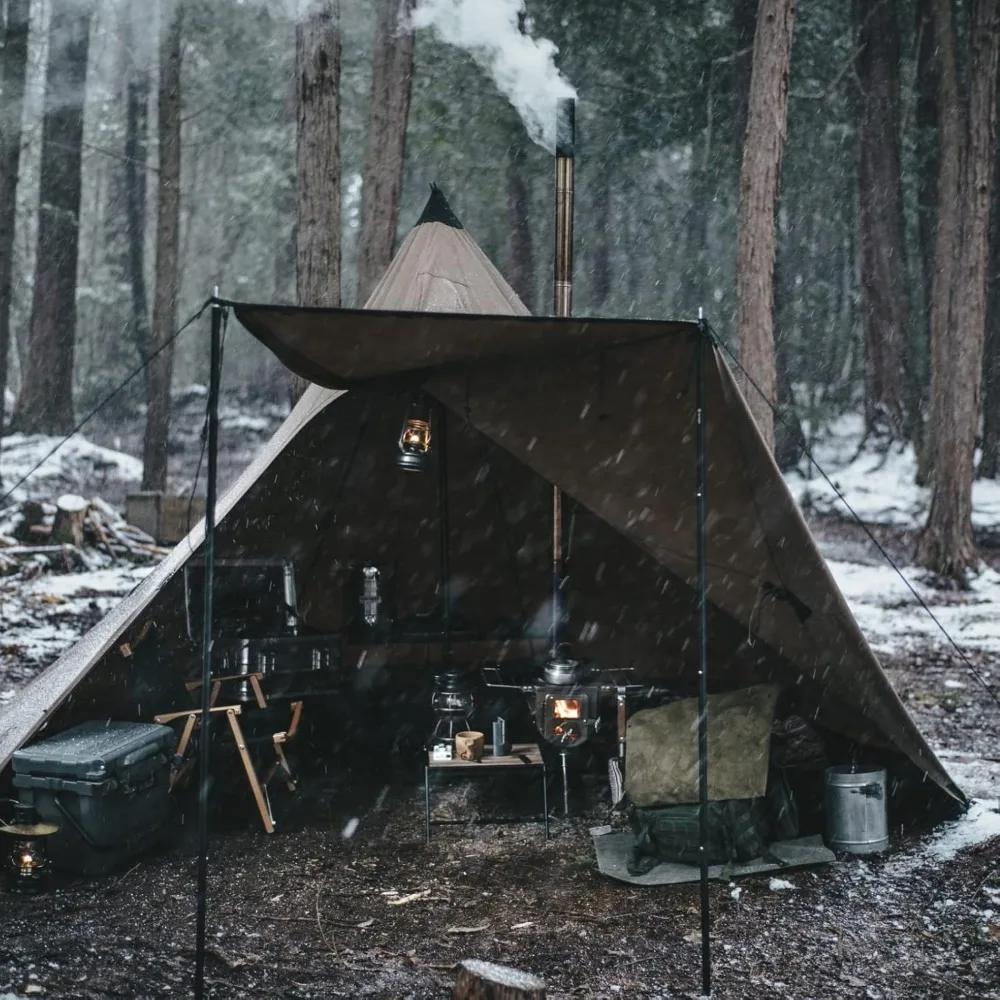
(522,756)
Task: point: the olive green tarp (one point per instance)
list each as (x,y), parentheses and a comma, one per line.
(603,409)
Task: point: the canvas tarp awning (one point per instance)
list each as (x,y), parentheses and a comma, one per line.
(603,409)
(611,422)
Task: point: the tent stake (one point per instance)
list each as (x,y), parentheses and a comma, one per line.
(706,954)
(215,375)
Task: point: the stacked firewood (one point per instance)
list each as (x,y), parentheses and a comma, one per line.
(67,532)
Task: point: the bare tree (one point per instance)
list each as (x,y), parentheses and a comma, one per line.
(989,463)
(134,175)
(767,115)
(884,294)
(168,211)
(13,71)
(45,402)
(946,545)
(317,61)
(951,133)
(392,71)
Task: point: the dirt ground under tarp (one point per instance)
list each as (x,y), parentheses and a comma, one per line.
(347,901)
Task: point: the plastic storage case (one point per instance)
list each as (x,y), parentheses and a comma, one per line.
(105,784)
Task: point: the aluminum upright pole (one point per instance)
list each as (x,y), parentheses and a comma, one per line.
(204,779)
(445,526)
(706,953)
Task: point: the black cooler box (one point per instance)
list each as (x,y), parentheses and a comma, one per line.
(105,784)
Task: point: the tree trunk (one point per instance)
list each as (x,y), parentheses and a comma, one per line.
(989,463)
(885,303)
(136,160)
(317,58)
(45,402)
(947,545)
(926,115)
(13,71)
(521,266)
(168,212)
(767,115)
(392,71)
(951,135)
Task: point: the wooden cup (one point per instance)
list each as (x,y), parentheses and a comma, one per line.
(470,746)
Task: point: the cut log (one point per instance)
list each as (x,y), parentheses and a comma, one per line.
(67,528)
(486,981)
(95,523)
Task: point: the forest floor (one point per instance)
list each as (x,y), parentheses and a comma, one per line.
(347,901)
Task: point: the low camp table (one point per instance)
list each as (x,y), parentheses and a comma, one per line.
(523,756)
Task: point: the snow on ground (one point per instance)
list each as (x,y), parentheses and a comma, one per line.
(880,488)
(76,462)
(893,620)
(42,617)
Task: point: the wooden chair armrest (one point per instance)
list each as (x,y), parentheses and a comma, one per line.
(296,716)
(194,685)
(171,716)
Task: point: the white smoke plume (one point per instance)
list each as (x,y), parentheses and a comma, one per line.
(522,67)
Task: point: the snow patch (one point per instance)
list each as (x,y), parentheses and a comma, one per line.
(881,488)
(777,884)
(76,461)
(893,620)
(979,825)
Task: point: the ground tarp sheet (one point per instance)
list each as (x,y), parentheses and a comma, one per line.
(613,851)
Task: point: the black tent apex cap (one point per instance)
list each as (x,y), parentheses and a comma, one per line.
(437,209)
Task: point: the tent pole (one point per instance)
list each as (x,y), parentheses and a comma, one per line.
(445,534)
(215,373)
(562,301)
(706,955)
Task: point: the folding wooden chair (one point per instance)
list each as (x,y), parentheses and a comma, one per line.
(192,717)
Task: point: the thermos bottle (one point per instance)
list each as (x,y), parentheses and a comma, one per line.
(501,748)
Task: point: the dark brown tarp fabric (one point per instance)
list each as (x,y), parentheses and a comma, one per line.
(603,409)
(612,424)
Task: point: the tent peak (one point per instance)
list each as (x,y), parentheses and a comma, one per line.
(437,209)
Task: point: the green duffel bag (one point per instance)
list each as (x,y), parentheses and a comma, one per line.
(738,830)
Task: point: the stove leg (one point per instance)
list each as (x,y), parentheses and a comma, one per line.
(545,798)
(427,804)
(562,754)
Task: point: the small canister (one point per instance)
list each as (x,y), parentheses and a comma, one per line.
(501,748)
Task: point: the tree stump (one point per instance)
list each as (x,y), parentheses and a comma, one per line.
(486,981)
(67,528)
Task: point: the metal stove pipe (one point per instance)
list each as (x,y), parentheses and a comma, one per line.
(562,295)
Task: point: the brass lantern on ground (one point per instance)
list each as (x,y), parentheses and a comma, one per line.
(27,860)
(415,438)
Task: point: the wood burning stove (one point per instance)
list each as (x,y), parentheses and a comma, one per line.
(566,703)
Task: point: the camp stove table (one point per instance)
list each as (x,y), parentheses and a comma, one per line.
(522,756)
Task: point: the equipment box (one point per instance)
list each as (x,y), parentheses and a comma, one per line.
(105,785)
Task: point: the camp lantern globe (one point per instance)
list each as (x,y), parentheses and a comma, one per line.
(415,437)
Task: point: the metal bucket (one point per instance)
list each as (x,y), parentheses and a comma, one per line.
(856,819)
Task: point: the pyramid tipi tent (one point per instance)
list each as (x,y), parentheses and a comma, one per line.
(602,409)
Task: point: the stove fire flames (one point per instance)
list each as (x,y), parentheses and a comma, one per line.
(566,718)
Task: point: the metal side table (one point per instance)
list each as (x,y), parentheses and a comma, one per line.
(526,756)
